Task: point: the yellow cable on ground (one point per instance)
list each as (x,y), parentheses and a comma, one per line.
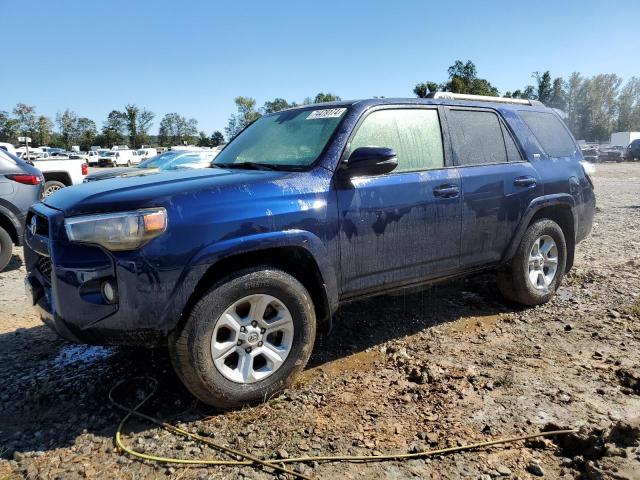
(274,463)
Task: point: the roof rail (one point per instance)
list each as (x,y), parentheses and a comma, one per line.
(483,98)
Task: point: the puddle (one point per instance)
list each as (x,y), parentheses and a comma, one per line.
(360,361)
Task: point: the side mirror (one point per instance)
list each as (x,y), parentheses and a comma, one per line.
(367,161)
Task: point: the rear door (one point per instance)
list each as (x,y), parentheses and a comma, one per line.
(404,226)
(497,183)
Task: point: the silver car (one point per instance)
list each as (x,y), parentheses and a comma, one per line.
(20,187)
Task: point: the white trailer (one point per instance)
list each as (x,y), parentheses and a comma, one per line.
(623,138)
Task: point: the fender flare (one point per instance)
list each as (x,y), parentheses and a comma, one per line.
(537,204)
(209,256)
(6,211)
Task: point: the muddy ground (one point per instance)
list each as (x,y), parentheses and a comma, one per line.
(440,367)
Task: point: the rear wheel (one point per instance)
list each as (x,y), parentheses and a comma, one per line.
(6,246)
(537,268)
(52,186)
(246,338)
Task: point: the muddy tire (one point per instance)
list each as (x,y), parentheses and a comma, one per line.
(246,338)
(6,246)
(536,270)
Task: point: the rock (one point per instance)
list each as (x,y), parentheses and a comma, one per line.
(503,470)
(432,438)
(534,468)
(282,453)
(625,433)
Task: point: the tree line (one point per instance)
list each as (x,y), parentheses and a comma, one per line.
(131,125)
(593,107)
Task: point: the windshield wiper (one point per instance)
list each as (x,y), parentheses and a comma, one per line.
(250,165)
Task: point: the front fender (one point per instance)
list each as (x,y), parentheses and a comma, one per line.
(16,219)
(202,261)
(537,204)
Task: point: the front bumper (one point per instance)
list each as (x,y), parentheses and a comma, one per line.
(64,285)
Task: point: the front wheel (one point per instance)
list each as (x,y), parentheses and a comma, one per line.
(245,339)
(537,268)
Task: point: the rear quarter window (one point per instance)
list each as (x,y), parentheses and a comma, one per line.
(550,132)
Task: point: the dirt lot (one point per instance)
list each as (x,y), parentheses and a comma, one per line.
(444,366)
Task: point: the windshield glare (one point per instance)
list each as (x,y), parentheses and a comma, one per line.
(292,138)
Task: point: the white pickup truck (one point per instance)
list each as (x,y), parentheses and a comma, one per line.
(60,173)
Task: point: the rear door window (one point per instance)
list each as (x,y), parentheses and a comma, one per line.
(477,137)
(414,134)
(551,134)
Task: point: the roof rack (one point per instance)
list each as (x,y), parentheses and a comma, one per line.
(483,98)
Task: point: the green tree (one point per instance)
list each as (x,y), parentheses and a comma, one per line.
(9,129)
(86,132)
(326,97)
(113,129)
(421,90)
(68,125)
(629,106)
(574,102)
(175,130)
(246,114)
(463,78)
(216,139)
(276,105)
(137,122)
(44,130)
(203,140)
(558,98)
(544,88)
(26,117)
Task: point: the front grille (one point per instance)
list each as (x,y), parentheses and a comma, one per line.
(44,265)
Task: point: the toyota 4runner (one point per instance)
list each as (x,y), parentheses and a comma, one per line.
(235,267)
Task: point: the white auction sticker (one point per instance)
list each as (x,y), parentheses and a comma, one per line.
(326,113)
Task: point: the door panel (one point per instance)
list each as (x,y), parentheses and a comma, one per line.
(497,186)
(395,230)
(494,197)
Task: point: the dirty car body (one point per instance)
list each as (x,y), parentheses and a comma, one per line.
(343,237)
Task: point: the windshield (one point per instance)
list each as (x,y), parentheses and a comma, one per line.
(293,138)
(109,154)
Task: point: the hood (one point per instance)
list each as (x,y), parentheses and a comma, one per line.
(159,189)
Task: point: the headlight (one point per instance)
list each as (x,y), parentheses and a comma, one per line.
(118,231)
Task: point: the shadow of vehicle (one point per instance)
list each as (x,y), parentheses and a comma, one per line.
(54,391)
(14,264)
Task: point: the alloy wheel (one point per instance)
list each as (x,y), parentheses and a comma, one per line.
(252,338)
(543,262)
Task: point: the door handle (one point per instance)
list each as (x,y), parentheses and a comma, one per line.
(525,181)
(446,191)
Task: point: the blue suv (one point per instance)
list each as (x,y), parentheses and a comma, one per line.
(235,267)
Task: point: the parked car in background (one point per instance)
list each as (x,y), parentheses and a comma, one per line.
(236,267)
(147,152)
(93,157)
(20,187)
(8,147)
(612,153)
(633,151)
(60,172)
(114,158)
(589,152)
(172,160)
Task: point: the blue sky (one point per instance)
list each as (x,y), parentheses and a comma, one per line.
(194,57)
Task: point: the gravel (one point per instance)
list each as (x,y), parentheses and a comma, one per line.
(440,367)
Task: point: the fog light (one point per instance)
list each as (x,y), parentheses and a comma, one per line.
(109,292)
